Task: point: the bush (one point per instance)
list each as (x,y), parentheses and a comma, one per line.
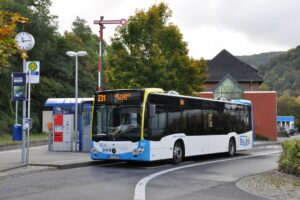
(289,160)
(6,123)
(259,137)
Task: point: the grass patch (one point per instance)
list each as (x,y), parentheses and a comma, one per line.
(7,138)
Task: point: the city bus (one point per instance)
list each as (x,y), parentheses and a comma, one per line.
(150,124)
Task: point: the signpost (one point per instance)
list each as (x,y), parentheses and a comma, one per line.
(101,23)
(33,68)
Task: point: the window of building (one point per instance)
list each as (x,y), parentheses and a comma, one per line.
(229,89)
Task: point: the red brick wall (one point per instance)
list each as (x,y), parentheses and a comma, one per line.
(264,112)
(264,105)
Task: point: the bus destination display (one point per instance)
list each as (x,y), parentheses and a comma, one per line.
(118,98)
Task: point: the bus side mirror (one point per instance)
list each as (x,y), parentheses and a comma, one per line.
(152,110)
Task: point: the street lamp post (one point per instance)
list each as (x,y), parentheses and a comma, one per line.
(76,54)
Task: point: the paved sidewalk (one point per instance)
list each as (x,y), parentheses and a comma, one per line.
(40,156)
(279,140)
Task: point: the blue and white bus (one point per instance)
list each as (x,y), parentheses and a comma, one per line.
(150,124)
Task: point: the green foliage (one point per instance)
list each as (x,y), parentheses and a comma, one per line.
(282,73)
(57,69)
(289,160)
(257,60)
(264,87)
(8,23)
(149,52)
(287,104)
(259,137)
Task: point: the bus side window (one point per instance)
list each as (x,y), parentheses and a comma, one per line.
(174,120)
(207,121)
(158,123)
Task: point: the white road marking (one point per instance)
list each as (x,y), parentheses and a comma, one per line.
(139,193)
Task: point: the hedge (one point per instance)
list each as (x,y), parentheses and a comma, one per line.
(289,160)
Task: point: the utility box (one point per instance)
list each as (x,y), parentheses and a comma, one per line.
(62,132)
(17,132)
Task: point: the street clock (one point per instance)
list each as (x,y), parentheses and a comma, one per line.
(25,41)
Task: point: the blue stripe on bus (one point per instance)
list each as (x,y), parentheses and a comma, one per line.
(145,156)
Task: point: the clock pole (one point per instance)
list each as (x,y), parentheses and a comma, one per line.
(25,42)
(24,138)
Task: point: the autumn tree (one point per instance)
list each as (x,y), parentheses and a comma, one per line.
(150,52)
(8,23)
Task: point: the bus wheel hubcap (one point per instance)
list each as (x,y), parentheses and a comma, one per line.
(177,152)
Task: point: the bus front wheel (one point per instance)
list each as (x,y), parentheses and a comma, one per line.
(231,147)
(177,152)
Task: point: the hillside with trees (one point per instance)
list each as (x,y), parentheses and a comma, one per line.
(256,60)
(148,52)
(281,72)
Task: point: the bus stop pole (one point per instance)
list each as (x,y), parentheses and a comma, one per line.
(16,112)
(23,119)
(28,116)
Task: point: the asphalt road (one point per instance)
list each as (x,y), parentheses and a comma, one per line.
(203,177)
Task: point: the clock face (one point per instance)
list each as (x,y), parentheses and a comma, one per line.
(25,41)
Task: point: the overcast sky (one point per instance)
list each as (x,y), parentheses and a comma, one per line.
(243,27)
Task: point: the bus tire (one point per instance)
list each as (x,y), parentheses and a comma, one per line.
(231,147)
(178,152)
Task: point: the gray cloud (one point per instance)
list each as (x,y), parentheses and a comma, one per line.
(269,21)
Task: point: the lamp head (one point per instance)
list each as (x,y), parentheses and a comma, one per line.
(71,53)
(81,53)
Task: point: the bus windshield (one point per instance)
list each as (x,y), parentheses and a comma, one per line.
(117,123)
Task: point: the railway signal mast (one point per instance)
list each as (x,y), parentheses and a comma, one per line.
(101,23)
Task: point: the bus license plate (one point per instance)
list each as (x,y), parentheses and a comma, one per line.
(114,157)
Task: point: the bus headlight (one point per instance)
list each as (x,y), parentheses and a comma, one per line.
(138,151)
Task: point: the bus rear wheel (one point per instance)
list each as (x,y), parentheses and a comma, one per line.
(177,152)
(231,147)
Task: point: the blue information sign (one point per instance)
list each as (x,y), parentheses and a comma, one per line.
(18,86)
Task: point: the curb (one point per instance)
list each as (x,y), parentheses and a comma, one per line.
(69,166)
(266,143)
(37,168)
(14,173)
(4,147)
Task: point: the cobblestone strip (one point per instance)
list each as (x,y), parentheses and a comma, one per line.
(272,185)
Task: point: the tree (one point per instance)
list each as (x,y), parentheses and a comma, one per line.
(264,87)
(82,39)
(44,29)
(8,23)
(289,105)
(149,52)
(282,72)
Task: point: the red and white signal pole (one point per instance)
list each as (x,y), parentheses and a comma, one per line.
(101,23)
